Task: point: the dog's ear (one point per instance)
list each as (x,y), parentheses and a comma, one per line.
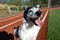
(38,6)
(25,7)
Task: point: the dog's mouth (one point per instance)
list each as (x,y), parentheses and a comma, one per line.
(33,20)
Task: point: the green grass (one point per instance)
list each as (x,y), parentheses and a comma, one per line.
(54,25)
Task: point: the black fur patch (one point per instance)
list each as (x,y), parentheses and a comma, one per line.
(38,13)
(25,13)
(5,36)
(16,33)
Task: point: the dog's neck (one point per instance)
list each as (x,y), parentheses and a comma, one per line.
(30,24)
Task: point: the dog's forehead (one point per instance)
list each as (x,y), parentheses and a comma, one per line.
(34,9)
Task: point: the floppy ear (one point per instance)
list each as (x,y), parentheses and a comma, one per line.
(25,7)
(38,6)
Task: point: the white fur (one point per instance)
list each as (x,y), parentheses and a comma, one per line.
(32,14)
(34,9)
(28,34)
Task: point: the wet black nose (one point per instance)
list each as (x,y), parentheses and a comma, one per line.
(38,13)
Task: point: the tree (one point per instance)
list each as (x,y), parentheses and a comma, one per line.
(55,2)
(16,2)
(40,2)
(28,3)
(49,3)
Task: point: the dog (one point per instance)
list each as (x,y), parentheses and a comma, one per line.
(29,29)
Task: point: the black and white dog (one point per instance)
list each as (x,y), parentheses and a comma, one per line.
(29,29)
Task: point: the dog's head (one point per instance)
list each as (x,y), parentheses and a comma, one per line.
(32,13)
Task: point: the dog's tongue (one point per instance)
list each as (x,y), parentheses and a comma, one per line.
(38,22)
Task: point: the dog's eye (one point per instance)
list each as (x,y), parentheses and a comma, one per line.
(30,11)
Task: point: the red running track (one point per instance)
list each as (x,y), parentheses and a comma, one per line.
(8,24)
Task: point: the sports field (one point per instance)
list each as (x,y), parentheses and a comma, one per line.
(54,25)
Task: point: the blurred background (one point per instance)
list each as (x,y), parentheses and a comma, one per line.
(9,7)
(20,3)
